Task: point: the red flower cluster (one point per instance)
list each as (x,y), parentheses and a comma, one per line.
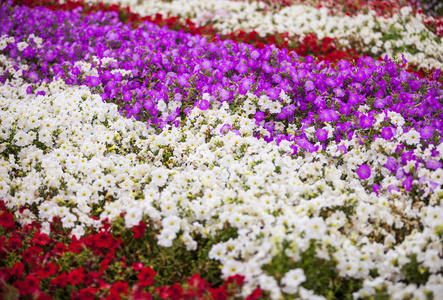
(46,265)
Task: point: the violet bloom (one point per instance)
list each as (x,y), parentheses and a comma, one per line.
(345,109)
(259,116)
(387,133)
(427,132)
(29,90)
(366,121)
(127,96)
(149,104)
(433,164)
(376,188)
(204,104)
(360,76)
(225,129)
(94,81)
(407,183)
(309,86)
(321,134)
(364,172)
(379,103)
(33,76)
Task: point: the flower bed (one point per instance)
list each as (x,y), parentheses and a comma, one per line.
(215,170)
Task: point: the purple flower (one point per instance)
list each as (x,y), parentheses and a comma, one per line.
(29,90)
(149,104)
(93,80)
(329,115)
(376,188)
(127,96)
(387,133)
(427,132)
(204,104)
(259,116)
(433,164)
(364,172)
(345,109)
(407,183)
(309,86)
(379,103)
(33,76)
(366,121)
(225,129)
(360,76)
(241,68)
(321,134)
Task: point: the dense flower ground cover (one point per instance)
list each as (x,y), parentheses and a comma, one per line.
(143,162)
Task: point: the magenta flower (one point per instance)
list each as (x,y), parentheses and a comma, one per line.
(204,104)
(427,132)
(366,122)
(321,134)
(309,86)
(433,164)
(387,133)
(364,172)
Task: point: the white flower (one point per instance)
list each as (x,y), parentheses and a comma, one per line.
(69,220)
(292,280)
(166,237)
(22,45)
(133,217)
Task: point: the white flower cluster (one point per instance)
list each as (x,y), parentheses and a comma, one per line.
(404,32)
(67,154)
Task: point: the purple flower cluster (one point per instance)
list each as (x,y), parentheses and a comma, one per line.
(153,65)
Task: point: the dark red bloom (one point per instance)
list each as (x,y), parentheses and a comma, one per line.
(76,276)
(17,270)
(256,294)
(146,276)
(85,294)
(60,248)
(61,280)
(120,287)
(7,220)
(14,243)
(219,293)
(48,270)
(164,292)
(139,229)
(197,286)
(41,239)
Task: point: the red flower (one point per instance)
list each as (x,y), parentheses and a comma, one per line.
(17,270)
(48,270)
(256,294)
(197,285)
(85,294)
(41,239)
(61,280)
(139,229)
(219,293)
(76,276)
(103,240)
(59,248)
(104,265)
(177,292)
(137,266)
(14,243)
(120,287)
(5,274)
(146,276)
(29,285)
(164,292)
(7,220)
